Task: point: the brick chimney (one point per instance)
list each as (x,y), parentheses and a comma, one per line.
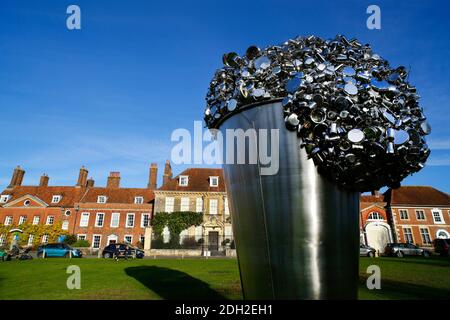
(17,177)
(376,193)
(167,172)
(113,180)
(82,177)
(90,182)
(153,176)
(43,182)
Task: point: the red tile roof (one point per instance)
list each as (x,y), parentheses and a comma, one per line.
(70,195)
(418,195)
(198,180)
(118,195)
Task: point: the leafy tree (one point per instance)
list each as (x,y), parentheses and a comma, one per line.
(176,222)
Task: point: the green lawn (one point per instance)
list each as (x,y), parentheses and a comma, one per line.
(408,278)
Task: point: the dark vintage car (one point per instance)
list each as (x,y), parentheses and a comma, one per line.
(124,250)
(441,246)
(405,249)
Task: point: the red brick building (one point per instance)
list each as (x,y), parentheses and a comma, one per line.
(100,215)
(419,214)
(375,229)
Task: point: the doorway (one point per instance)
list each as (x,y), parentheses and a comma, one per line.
(213,241)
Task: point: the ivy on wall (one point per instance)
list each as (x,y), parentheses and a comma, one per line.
(176,222)
(53,232)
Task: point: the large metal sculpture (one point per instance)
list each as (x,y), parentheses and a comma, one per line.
(348,123)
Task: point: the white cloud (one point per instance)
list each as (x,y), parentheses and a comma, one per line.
(440,144)
(443,160)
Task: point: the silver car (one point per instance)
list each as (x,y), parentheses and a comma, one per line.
(366,251)
(405,249)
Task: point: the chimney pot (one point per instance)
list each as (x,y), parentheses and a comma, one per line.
(82,177)
(167,172)
(90,182)
(17,177)
(113,180)
(153,176)
(43,182)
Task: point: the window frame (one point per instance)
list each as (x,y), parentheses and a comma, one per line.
(112,220)
(128,235)
(84,214)
(400,214)
(226,206)
(181,178)
(47,221)
(97,215)
(10,219)
(183,205)
(38,218)
(166,205)
(46,237)
(102,197)
(216,206)
(409,233)
(79,236)
(441,216)
(58,197)
(213,178)
(24,218)
(65,222)
(423,214)
(141,199)
(4,198)
(379,217)
(30,239)
(143,220)
(425,233)
(134,220)
(99,241)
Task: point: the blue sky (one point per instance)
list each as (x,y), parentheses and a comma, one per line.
(108,96)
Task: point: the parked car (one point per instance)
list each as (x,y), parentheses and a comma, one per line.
(405,249)
(366,251)
(132,252)
(441,246)
(58,250)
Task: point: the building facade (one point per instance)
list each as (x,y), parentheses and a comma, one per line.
(100,215)
(198,190)
(375,229)
(103,215)
(419,214)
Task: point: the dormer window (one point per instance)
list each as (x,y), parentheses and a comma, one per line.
(101,199)
(4,198)
(213,181)
(138,200)
(56,199)
(184,181)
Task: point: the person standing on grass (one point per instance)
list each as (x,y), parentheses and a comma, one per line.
(117,252)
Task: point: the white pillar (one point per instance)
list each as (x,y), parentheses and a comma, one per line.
(148,238)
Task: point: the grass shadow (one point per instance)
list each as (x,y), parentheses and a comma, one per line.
(431,261)
(172,284)
(401,290)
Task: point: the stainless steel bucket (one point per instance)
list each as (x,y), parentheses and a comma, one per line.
(296,234)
